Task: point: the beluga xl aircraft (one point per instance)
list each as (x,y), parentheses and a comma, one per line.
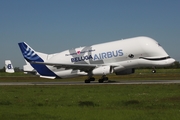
(120,57)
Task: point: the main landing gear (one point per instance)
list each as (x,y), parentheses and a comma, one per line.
(89,79)
(101,80)
(153,70)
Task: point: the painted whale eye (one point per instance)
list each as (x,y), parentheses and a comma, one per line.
(131,55)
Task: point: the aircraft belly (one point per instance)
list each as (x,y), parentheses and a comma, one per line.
(130,63)
(69,73)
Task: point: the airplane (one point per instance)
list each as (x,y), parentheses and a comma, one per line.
(27,68)
(8,66)
(120,57)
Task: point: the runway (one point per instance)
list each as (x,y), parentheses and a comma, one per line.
(130,82)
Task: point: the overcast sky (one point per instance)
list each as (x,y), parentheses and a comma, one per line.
(52,26)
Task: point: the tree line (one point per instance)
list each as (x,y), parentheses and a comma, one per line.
(16,69)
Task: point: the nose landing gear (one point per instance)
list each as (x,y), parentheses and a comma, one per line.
(153,70)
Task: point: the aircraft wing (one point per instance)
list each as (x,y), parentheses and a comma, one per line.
(81,67)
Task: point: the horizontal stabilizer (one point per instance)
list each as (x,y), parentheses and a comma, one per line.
(81,67)
(48,77)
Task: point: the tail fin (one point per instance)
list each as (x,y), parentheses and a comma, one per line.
(32,56)
(28,53)
(8,66)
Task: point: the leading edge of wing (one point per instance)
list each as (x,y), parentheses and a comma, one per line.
(82,67)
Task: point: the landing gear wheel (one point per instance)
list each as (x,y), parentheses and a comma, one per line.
(87,81)
(106,78)
(92,79)
(101,80)
(153,71)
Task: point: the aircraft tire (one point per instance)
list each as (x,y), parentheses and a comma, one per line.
(153,71)
(87,81)
(106,78)
(101,80)
(92,79)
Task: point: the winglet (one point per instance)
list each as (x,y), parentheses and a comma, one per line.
(8,66)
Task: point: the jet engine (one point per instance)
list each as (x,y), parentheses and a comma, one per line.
(125,72)
(103,70)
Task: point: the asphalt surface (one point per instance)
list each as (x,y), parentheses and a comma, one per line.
(95,82)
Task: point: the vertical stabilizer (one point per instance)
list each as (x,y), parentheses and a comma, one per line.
(8,66)
(31,56)
(28,53)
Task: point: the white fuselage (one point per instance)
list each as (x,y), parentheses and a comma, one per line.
(121,54)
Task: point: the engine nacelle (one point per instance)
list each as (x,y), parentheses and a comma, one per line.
(125,72)
(118,68)
(103,70)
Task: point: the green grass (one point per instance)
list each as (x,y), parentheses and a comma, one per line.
(94,102)
(4,74)
(140,74)
(104,102)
